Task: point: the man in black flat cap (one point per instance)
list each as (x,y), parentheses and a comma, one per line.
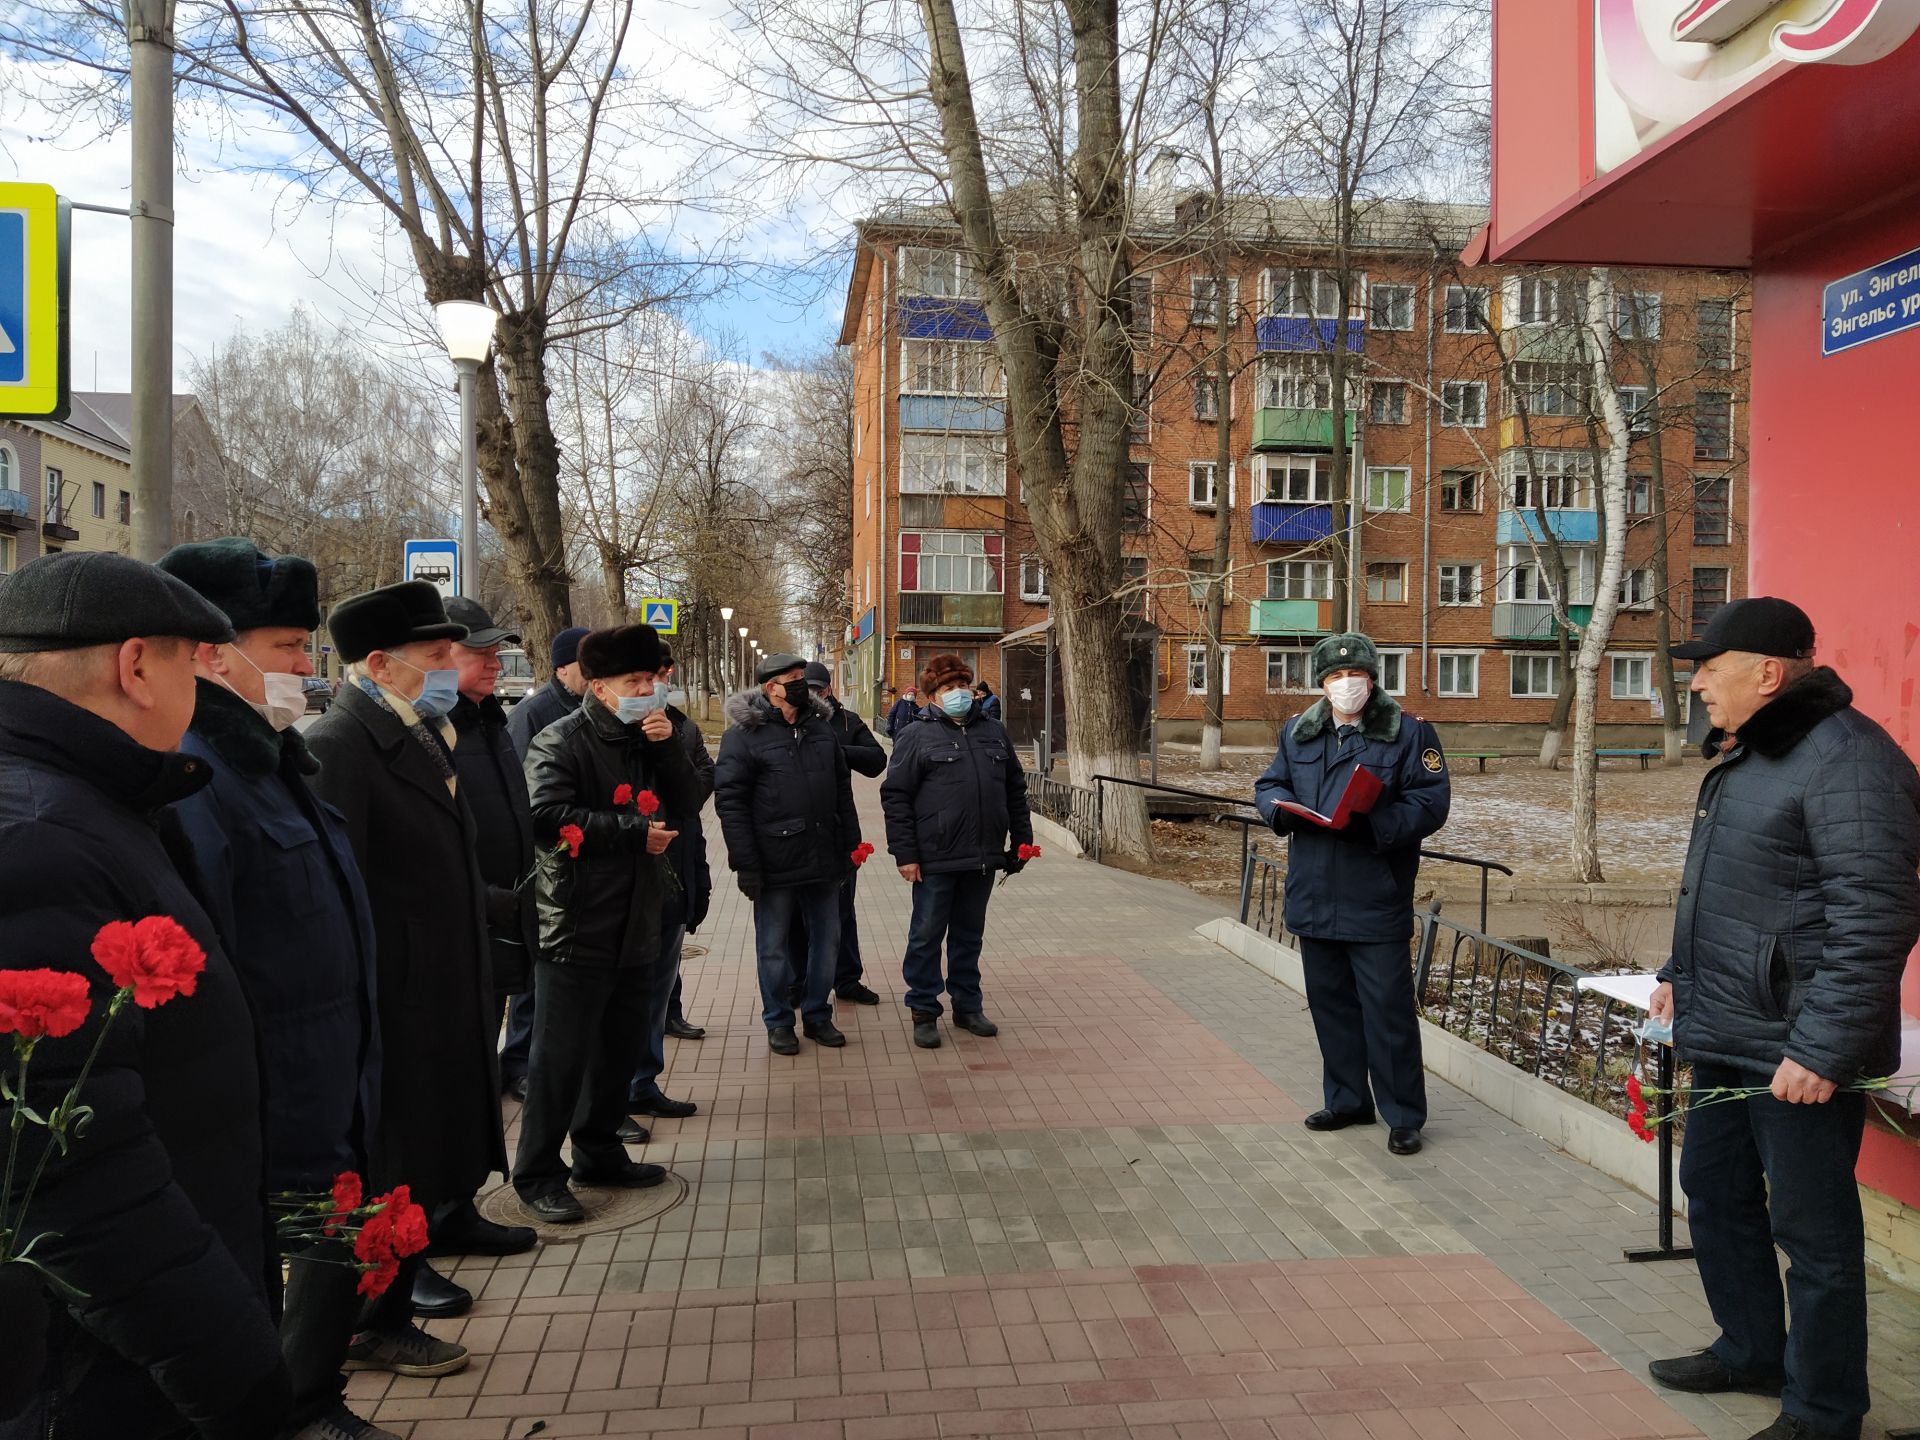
(1799,905)
(152,1220)
(600,917)
(283,888)
(386,763)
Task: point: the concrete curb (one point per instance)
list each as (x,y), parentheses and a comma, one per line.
(1054,838)
(1589,1135)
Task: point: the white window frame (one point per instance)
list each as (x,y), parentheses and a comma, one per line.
(1639,494)
(1203,307)
(9,469)
(1547,389)
(959,284)
(1208,384)
(1566,474)
(1467,303)
(1299,382)
(1442,580)
(1479,478)
(1463,404)
(1636,314)
(1440,690)
(1311,294)
(1641,658)
(1633,401)
(1397,390)
(1366,581)
(1397,295)
(1518,561)
(1387,683)
(1194,467)
(1636,588)
(1317,576)
(1536,300)
(950,367)
(1286,654)
(953,462)
(1532,657)
(1382,505)
(923,555)
(6,554)
(56,507)
(1319,483)
(1033,591)
(1198,653)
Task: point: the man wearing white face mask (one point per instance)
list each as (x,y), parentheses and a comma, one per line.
(1350,882)
(280,882)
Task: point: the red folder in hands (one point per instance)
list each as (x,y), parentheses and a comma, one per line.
(1362,789)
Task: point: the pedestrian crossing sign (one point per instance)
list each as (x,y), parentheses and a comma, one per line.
(662,615)
(33,303)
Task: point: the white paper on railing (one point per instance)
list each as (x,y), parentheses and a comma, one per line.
(1635,990)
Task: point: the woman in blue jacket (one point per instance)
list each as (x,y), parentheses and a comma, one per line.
(955,799)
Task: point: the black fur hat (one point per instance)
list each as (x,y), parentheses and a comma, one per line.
(620,651)
(253,589)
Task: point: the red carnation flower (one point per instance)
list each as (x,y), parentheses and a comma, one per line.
(1637,1123)
(1029,852)
(647,803)
(622,796)
(1634,1092)
(346,1198)
(154,957)
(571,836)
(42,1002)
(409,1221)
(862,853)
(377,1276)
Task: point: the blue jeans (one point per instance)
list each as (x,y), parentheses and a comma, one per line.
(665,987)
(773,913)
(847,969)
(1760,1173)
(950,908)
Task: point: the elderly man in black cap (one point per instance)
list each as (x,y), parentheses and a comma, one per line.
(152,1222)
(269,852)
(599,776)
(784,795)
(1798,908)
(386,757)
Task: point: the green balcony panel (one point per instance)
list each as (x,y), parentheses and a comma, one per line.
(1289,617)
(1296,429)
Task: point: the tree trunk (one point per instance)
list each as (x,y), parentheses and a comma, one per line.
(613,576)
(536,538)
(1673,720)
(1213,731)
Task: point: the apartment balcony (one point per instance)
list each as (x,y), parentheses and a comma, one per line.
(1278,429)
(1533,619)
(56,528)
(944,414)
(1569,527)
(960,614)
(938,317)
(1288,334)
(1290,617)
(16,512)
(1276,523)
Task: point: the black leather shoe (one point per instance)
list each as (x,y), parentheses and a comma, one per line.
(825,1032)
(678,1027)
(660,1105)
(472,1234)
(926,1031)
(438,1298)
(556,1207)
(1704,1373)
(516,1089)
(1402,1141)
(1338,1119)
(1792,1427)
(783,1041)
(858,994)
(632,1132)
(634,1175)
(975,1022)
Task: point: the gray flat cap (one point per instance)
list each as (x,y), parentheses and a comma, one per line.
(76,598)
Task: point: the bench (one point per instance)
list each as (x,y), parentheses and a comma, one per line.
(1643,756)
(1481,755)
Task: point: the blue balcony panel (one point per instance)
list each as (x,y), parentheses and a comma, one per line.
(1286,333)
(1283,524)
(934,317)
(1569,527)
(953,412)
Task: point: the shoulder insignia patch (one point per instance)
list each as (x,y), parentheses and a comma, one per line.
(1431,759)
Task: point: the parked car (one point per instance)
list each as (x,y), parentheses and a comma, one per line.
(319,692)
(516,677)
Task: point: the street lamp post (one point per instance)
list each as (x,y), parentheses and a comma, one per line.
(466,329)
(726,662)
(746,674)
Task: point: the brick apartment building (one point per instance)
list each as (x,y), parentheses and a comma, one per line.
(1443,574)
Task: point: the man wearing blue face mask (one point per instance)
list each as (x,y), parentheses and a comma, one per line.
(386,763)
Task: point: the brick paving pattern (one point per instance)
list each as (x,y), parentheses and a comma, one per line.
(1106,1223)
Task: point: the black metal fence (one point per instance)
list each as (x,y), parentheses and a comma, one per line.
(1074,806)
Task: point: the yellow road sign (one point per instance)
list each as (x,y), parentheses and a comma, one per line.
(662,615)
(33,303)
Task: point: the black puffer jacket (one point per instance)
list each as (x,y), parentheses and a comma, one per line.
(156,1218)
(784,795)
(604,906)
(955,796)
(864,755)
(494,785)
(1800,902)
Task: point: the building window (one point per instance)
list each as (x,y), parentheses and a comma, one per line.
(1200,573)
(950,367)
(1633,404)
(1459,490)
(1712,510)
(1136,496)
(1466,309)
(1542,387)
(1197,670)
(1636,589)
(1550,479)
(7,467)
(1636,315)
(1387,582)
(1300,382)
(1463,404)
(1639,494)
(6,554)
(950,562)
(1202,493)
(1033,579)
(1389,487)
(1536,300)
(946,273)
(1133,584)
(56,509)
(1294,479)
(1459,585)
(1535,677)
(1632,677)
(1523,579)
(1205,309)
(99,501)
(1290,672)
(1312,294)
(1459,675)
(1713,334)
(1391,307)
(1393,671)
(1709,594)
(1712,425)
(1299,580)
(1140,417)
(123,512)
(953,463)
(1387,403)
(1140,306)
(1206,397)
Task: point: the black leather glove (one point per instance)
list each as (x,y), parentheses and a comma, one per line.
(1359,831)
(1013,862)
(751,883)
(1284,822)
(503,908)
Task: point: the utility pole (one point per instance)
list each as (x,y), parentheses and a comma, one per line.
(150,36)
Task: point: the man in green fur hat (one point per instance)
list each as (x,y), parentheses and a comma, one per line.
(1350,878)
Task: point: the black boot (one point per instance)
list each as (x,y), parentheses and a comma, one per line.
(926,1030)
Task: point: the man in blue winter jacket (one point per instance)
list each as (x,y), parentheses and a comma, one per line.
(1349,898)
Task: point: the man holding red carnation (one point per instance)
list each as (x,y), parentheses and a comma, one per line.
(154,1217)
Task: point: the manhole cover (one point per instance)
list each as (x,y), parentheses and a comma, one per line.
(607,1207)
(692,952)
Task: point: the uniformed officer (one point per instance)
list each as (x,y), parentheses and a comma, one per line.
(1349,895)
